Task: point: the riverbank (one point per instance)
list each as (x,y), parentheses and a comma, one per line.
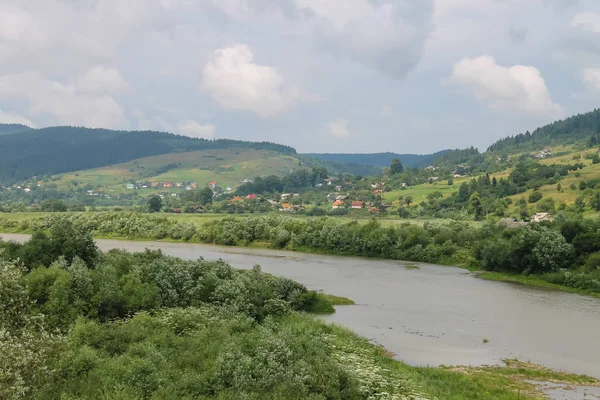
(458,262)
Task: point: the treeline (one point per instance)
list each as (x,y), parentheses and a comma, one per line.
(49,151)
(574,128)
(295,181)
(566,252)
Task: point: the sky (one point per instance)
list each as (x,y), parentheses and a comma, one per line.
(327,76)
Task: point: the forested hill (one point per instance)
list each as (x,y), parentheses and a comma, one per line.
(48,151)
(380,160)
(579,127)
(6,129)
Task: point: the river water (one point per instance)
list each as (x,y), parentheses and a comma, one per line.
(432,315)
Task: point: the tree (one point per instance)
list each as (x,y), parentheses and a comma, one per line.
(53,205)
(595,202)
(494,182)
(154,204)
(582,185)
(475,206)
(535,197)
(580,204)
(408,200)
(559,188)
(450,182)
(396,167)
(205,196)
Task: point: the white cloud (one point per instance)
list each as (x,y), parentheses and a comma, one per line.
(63,102)
(102,80)
(588,21)
(236,82)
(339,128)
(592,77)
(193,129)
(386,35)
(519,88)
(11,118)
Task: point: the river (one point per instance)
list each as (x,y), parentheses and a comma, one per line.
(432,315)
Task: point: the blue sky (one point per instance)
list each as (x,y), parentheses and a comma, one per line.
(409,76)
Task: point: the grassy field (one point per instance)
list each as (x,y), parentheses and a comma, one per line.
(226,167)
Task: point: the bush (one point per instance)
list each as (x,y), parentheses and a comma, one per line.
(535,197)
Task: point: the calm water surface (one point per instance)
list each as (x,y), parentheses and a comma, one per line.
(431,316)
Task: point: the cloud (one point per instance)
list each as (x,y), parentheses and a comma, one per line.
(519,89)
(591,76)
(386,35)
(236,82)
(63,102)
(11,118)
(339,129)
(193,129)
(101,80)
(587,21)
(387,111)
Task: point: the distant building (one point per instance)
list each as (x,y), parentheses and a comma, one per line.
(213,185)
(236,199)
(358,205)
(167,185)
(338,204)
(542,217)
(130,186)
(251,196)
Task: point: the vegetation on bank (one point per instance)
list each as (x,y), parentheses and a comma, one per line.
(78,323)
(565,253)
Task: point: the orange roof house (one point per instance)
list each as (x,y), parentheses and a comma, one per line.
(338,204)
(236,198)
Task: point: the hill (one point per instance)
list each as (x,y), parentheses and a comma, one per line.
(49,151)
(563,132)
(227,167)
(379,160)
(7,129)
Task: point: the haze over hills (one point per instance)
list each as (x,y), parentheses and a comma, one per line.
(380,160)
(6,129)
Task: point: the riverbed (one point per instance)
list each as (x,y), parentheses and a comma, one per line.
(432,315)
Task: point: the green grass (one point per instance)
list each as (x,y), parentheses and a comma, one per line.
(338,300)
(227,167)
(531,280)
(412,267)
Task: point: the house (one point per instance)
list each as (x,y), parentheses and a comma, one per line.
(213,185)
(338,188)
(545,154)
(358,205)
(195,210)
(179,184)
(174,195)
(284,196)
(273,202)
(177,210)
(434,179)
(287,207)
(430,168)
(404,185)
(229,189)
(246,180)
(193,185)
(251,196)
(457,175)
(510,223)
(154,184)
(331,179)
(130,186)
(377,192)
(27,190)
(542,217)
(236,199)
(341,198)
(338,204)
(167,185)
(319,185)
